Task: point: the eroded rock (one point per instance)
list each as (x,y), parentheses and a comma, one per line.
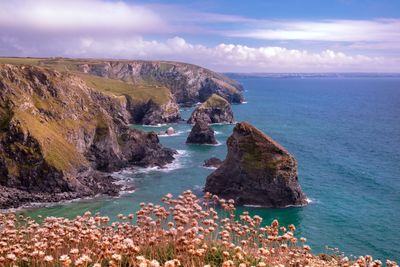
(256,171)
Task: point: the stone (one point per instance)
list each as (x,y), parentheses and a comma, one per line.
(215,110)
(201,133)
(256,171)
(212,162)
(170,131)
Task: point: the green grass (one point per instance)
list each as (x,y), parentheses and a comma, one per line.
(57,151)
(138,92)
(215,101)
(19,61)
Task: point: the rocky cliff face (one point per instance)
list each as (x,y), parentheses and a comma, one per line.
(214,110)
(152,113)
(58,136)
(201,133)
(256,171)
(188,83)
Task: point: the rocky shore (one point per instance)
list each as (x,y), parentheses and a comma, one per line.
(59,138)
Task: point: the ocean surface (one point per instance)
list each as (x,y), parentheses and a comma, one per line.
(345,134)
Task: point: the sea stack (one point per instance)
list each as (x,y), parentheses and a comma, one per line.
(215,109)
(256,171)
(201,133)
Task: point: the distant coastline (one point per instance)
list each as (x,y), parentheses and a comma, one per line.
(234,75)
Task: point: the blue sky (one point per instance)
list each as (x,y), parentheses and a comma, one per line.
(238,36)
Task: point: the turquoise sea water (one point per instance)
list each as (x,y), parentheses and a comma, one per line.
(345,134)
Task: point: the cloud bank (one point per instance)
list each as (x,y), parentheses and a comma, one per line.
(109,29)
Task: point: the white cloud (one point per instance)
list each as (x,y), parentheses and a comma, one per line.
(112,29)
(326,30)
(77,16)
(228,57)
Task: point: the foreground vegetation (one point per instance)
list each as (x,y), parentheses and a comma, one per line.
(184,231)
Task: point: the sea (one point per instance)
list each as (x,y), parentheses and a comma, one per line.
(345,135)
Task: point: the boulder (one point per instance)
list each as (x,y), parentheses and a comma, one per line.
(256,171)
(201,133)
(215,110)
(212,162)
(170,131)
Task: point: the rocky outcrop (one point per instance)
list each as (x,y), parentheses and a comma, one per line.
(256,171)
(215,110)
(152,113)
(212,163)
(59,138)
(201,133)
(188,83)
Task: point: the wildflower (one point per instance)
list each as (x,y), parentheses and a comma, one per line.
(11,257)
(74,251)
(228,264)
(48,258)
(116,257)
(154,263)
(64,258)
(261,264)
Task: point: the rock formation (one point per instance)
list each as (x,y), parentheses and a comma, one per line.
(152,89)
(188,83)
(212,162)
(59,137)
(201,133)
(256,171)
(215,110)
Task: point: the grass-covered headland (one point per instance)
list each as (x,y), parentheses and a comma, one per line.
(184,231)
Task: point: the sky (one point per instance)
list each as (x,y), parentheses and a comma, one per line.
(225,36)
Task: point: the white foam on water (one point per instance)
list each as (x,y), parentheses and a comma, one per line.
(128,174)
(222,123)
(210,167)
(217,144)
(170,135)
(155,125)
(252,206)
(217,132)
(245,102)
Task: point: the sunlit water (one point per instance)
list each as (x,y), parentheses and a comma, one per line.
(345,134)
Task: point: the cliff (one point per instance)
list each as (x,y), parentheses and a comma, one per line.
(58,136)
(188,83)
(256,171)
(153,89)
(214,110)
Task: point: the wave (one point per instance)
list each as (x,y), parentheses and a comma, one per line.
(223,123)
(217,132)
(217,144)
(128,174)
(245,102)
(252,206)
(155,125)
(209,167)
(170,135)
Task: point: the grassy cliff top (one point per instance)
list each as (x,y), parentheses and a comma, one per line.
(140,91)
(215,101)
